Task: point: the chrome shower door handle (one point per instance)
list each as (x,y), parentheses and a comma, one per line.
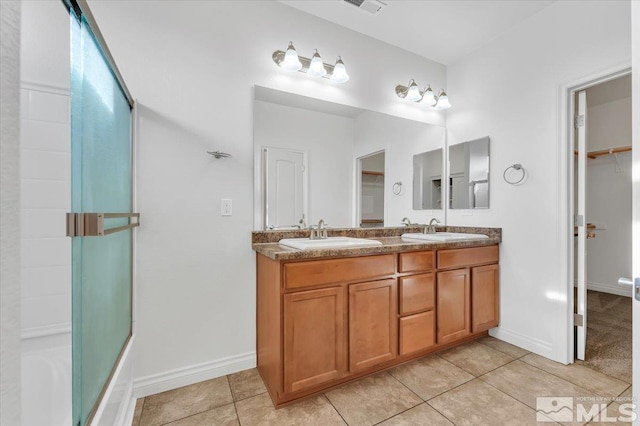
(635,284)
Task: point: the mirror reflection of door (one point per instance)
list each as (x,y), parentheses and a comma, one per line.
(284,200)
(371,190)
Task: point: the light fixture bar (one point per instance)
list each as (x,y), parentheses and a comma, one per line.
(278,57)
(402,92)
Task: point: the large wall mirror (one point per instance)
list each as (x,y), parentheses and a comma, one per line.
(315,160)
(428,191)
(469,174)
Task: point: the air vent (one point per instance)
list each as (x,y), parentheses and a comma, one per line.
(372,6)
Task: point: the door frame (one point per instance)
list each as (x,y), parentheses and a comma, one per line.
(357,180)
(565,174)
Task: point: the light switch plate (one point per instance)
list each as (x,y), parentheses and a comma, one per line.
(226,207)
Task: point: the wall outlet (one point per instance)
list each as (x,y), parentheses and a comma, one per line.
(226,207)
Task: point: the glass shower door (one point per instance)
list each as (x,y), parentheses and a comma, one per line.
(101,222)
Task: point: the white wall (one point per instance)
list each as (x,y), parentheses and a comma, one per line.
(635,16)
(510,90)
(609,206)
(328,142)
(609,124)
(9,213)
(193,66)
(401,140)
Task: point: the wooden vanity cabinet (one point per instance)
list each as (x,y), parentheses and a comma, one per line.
(321,322)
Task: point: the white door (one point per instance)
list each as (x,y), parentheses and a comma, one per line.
(284,172)
(581,223)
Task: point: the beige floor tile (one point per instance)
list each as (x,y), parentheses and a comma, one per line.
(525,383)
(372,399)
(259,410)
(220,416)
(476,358)
(430,376)
(423,414)
(503,347)
(176,404)
(598,383)
(137,412)
(627,393)
(476,403)
(246,384)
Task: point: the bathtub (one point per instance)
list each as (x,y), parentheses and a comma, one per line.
(46,387)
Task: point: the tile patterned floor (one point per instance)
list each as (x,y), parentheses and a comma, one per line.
(486,382)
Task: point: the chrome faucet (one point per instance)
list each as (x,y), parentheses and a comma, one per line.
(302,223)
(431,228)
(406,222)
(319,232)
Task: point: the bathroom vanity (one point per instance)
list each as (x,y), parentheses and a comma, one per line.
(328,316)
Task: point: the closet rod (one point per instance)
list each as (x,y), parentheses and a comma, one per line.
(595,154)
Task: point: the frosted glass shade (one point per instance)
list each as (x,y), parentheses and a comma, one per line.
(316,68)
(413,93)
(339,74)
(428,98)
(443,101)
(291,61)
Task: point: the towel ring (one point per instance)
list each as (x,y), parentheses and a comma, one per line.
(397,188)
(517,167)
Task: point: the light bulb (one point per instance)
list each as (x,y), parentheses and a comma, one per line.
(339,74)
(413,93)
(291,61)
(316,68)
(428,98)
(443,101)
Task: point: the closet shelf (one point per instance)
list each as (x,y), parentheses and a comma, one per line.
(595,154)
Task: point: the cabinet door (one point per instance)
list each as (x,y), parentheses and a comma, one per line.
(484,297)
(372,323)
(313,337)
(453,307)
(417,332)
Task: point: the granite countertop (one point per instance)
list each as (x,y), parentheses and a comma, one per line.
(265,242)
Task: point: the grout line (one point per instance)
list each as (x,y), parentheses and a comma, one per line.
(496,349)
(401,412)
(334,407)
(441,413)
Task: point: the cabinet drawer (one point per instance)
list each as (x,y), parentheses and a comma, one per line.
(416,261)
(417,293)
(417,332)
(467,256)
(317,272)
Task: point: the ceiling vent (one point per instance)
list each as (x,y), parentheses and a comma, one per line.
(372,6)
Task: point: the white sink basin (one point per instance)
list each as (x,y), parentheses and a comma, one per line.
(331,242)
(443,236)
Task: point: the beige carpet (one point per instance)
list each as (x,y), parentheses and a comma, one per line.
(609,334)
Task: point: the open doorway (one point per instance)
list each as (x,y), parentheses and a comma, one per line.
(603,222)
(371,206)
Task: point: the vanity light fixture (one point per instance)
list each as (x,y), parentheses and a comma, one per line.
(290,61)
(424,97)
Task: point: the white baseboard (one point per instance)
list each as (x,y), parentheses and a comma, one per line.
(609,288)
(536,346)
(47,88)
(126,417)
(179,377)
